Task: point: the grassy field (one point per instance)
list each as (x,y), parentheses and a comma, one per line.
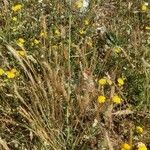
(74,75)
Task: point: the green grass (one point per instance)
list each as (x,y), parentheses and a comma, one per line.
(49,100)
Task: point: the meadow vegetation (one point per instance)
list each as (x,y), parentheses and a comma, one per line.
(74,75)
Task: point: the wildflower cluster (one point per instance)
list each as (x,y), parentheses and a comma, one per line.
(17,7)
(139,146)
(20,42)
(10,74)
(115,98)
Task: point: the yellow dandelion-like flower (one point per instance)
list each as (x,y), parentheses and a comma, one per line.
(147,28)
(43,34)
(36,41)
(16,7)
(120,81)
(117,49)
(139,130)
(79,3)
(1,71)
(101,99)
(15,71)
(102,81)
(10,74)
(116,99)
(81,31)
(14,18)
(144,6)
(125,146)
(21,52)
(86,22)
(20,42)
(142,146)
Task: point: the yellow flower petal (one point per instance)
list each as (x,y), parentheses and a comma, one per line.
(120,81)
(14,18)
(16,7)
(81,31)
(125,146)
(86,22)
(21,52)
(147,28)
(102,81)
(36,41)
(139,130)
(1,71)
(101,99)
(117,49)
(79,3)
(116,99)
(43,34)
(142,146)
(20,42)
(10,74)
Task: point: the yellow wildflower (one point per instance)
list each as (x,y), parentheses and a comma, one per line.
(117,49)
(15,71)
(20,42)
(79,3)
(81,31)
(14,18)
(21,52)
(86,22)
(116,99)
(101,99)
(125,146)
(43,34)
(12,73)
(147,28)
(102,81)
(142,146)
(139,129)
(144,6)
(1,71)
(120,81)
(36,41)
(16,7)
